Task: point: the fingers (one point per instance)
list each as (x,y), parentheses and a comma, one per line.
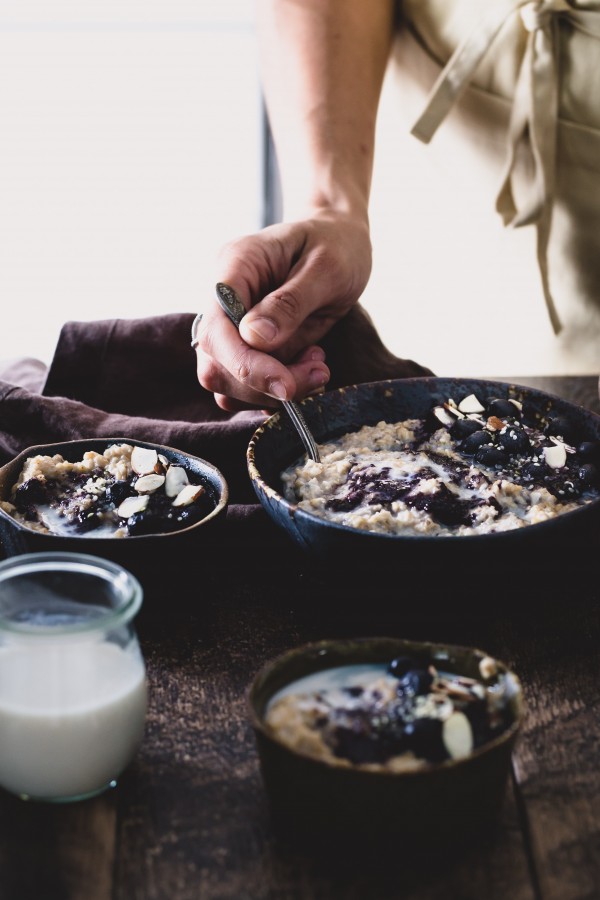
(241,377)
(295,281)
(323,277)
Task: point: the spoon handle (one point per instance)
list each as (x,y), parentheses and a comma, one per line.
(233,307)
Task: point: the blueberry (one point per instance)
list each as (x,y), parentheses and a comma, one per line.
(424,737)
(559,426)
(474,441)
(464,427)
(515,440)
(416,681)
(87,521)
(357,747)
(562,486)
(31,492)
(588,475)
(502,408)
(189,515)
(118,491)
(400,666)
(354,691)
(476,712)
(489,455)
(534,471)
(143,523)
(590,451)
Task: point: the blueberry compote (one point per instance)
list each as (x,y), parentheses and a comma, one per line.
(468,467)
(396,716)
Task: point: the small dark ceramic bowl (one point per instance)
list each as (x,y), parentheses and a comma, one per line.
(276,445)
(323,804)
(144,555)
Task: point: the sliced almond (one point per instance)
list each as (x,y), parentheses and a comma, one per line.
(567,447)
(457,735)
(147,484)
(143,460)
(488,667)
(163,459)
(516,403)
(188,494)
(470,404)
(555,456)
(443,416)
(132,505)
(176,479)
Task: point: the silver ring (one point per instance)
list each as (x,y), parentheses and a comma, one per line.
(195,326)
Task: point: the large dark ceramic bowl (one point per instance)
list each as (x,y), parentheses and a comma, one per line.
(350,808)
(276,445)
(147,555)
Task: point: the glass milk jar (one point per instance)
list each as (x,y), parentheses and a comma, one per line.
(73,693)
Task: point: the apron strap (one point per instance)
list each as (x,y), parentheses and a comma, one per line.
(534,114)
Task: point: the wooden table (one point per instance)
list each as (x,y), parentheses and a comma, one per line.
(189,818)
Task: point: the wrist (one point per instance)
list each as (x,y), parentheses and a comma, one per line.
(333,201)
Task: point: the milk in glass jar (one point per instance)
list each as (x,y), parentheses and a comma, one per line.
(73,691)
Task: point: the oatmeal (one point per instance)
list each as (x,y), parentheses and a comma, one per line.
(392,717)
(126,490)
(464,469)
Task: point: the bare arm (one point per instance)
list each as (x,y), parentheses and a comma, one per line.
(322,67)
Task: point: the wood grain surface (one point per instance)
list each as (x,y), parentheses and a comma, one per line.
(189,818)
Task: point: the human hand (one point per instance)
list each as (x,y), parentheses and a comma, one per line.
(296,280)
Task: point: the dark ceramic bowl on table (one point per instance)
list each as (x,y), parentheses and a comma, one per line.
(275,446)
(451,798)
(151,548)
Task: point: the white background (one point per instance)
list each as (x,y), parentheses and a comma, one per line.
(130,151)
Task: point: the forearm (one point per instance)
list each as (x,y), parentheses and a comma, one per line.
(322,66)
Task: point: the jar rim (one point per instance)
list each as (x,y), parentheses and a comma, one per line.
(128,587)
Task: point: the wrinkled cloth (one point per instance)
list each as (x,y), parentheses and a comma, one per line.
(136,379)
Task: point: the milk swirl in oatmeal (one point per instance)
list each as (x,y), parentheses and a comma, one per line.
(465,469)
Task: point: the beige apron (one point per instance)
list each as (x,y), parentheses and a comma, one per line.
(517,83)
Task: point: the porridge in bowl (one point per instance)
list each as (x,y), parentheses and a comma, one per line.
(124,490)
(394,717)
(378,742)
(466,468)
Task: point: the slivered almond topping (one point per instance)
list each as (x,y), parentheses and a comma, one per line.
(188,494)
(175,481)
(147,484)
(470,404)
(132,505)
(555,456)
(143,460)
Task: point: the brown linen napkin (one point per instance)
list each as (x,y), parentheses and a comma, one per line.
(136,378)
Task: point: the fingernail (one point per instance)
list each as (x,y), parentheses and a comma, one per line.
(264,328)
(278,390)
(317,378)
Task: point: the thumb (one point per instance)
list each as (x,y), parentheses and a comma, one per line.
(279,316)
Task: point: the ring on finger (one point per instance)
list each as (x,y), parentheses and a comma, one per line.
(195,326)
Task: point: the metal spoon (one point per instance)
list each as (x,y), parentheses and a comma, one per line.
(231,304)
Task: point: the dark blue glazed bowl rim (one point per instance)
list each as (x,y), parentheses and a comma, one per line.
(278,433)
